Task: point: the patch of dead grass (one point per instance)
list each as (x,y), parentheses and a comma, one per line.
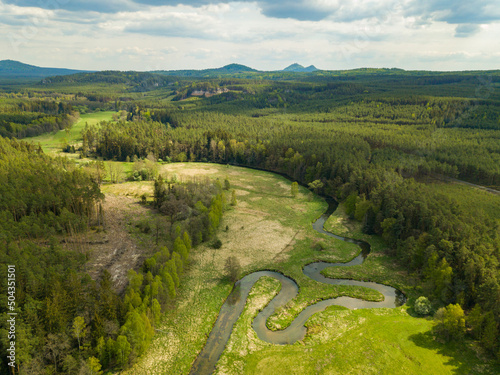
(135,189)
(189,170)
(241,193)
(253,237)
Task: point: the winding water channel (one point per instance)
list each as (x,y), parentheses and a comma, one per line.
(235,303)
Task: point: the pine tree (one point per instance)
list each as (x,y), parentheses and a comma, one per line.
(156,309)
(295,189)
(79,329)
(122,350)
(94,366)
(489,336)
(178,262)
(169,283)
(187,241)
(171,269)
(181,249)
(160,192)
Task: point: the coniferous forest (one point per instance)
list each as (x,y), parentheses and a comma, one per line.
(374,139)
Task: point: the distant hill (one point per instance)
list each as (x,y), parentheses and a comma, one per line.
(10,69)
(225,70)
(15,69)
(136,81)
(297,68)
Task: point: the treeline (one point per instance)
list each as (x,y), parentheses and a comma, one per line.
(446,135)
(151,290)
(139,81)
(454,253)
(411,144)
(456,137)
(124,139)
(197,205)
(41,196)
(32,118)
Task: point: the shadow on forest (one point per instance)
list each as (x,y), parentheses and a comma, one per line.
(453,351)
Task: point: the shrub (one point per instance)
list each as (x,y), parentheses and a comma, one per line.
(217,244)
(422,306)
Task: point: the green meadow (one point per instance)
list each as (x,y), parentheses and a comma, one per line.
(52,143)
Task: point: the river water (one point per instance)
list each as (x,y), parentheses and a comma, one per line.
(233,307)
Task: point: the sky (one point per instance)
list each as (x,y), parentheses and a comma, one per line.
(146,35)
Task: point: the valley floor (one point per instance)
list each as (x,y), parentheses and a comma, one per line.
(268,229)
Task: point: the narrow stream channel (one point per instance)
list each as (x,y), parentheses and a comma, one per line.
(233,307)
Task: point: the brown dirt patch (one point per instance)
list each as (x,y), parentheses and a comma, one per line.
(114,249)
(299,207)
(135,189)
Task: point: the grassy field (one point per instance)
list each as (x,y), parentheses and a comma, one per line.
(342,341)
(52,143)
(268,229)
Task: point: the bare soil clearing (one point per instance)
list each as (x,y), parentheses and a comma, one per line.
(113,249)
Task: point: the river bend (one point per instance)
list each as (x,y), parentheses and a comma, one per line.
(235,303)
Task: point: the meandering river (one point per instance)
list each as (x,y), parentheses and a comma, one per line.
(233,307)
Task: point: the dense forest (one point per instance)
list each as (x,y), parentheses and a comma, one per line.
(31,118)
(69,322)
(369,138)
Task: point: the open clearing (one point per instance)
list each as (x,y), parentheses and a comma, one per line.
(52,143)
(270,230)
(115,248)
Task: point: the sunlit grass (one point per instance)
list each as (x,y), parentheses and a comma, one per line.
(52,143)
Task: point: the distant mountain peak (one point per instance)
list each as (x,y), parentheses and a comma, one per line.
(12,69)
(15,65)
(236,68)
(297,68)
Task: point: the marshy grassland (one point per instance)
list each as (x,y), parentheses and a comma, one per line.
(268,229)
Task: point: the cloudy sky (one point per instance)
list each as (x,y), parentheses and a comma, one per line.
(266,34)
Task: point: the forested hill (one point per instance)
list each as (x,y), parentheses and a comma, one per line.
(14,69)
(136,81)
(209,73)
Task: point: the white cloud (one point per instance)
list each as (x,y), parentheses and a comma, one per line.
(335,34)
